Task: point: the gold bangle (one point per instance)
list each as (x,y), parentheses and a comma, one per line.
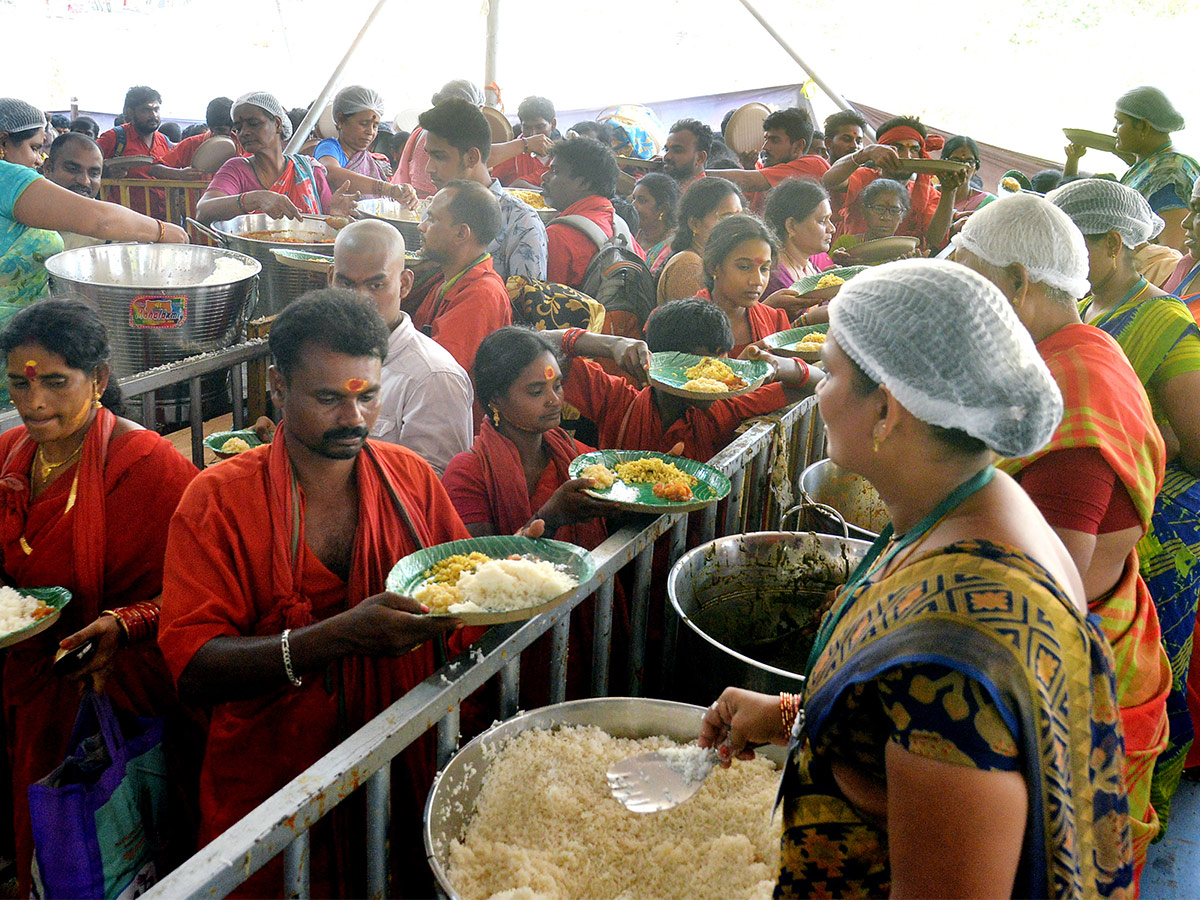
(789,708)
(116,615)
(162,230)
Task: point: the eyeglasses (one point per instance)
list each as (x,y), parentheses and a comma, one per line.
(894,211)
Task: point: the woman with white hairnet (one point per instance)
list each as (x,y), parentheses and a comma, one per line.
(1161,340)
(1145,119)
(1096,480)
(348,157)
(33,210)
(269,181)
(1184,282)
(959,733)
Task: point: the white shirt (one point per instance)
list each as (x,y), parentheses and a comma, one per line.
(425,398)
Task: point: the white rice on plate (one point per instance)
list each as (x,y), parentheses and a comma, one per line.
(501,585)
(546,827)
(17,611)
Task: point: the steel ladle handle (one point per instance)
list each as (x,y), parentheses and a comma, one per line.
(205,230)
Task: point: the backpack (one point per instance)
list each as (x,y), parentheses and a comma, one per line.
(616,276)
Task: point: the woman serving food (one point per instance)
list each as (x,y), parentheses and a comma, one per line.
(960,732)
(269,181)
(348,157)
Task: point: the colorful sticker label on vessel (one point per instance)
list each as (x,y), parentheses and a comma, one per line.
(156,311)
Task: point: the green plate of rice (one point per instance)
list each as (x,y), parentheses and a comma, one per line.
(707,485)
(668,372)
(41,614)
(217,440)
(521,593)
(785,343)
(808,284)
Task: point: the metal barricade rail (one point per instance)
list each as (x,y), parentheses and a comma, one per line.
(281,823)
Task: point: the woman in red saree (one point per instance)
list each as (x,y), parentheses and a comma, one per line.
(739,258)
(517,471)
(85,498)
(269,181)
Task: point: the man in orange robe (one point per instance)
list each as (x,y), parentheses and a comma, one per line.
(274,609)
(469,301)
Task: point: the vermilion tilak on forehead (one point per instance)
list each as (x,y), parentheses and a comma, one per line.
(355,385)
(549,373)
(31,368)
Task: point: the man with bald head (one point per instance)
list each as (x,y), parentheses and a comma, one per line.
(426,396)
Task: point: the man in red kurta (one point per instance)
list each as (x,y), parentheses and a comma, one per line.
(899,139)
(581,179)
(274,610)
(629,418)
(469,302)
(536,115)
(786,136)
(139,136)
(218,117)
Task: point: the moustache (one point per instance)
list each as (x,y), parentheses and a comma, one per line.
(338,434)
(81,191)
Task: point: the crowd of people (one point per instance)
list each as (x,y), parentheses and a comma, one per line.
(1003,698)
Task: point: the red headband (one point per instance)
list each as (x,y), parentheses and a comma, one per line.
(906,133)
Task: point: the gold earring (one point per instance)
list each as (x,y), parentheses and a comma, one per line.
(875,443)
(495,417)
(96,397)
(3,155)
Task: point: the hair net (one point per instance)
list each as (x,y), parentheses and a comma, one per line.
(461,88)
(356,98)
(1151,104)
(1032,231)
(268,104)
(1098,206)
(948,346)
(17,115)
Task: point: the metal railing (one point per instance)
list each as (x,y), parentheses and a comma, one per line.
(169,199)
(761,464)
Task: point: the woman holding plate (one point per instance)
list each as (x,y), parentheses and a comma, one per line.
(517,469)
(960,732)
(799,214)
(86,499)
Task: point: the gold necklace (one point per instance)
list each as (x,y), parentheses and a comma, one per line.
(46,468)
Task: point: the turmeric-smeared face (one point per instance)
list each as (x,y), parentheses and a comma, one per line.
(330,402)
(534,402)
(54,399)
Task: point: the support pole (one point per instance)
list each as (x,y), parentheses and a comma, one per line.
(838,100)
(491,53)
(301,134)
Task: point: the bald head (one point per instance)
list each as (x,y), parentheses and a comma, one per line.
(368,258)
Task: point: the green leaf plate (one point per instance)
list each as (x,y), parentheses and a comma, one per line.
(639,496)
(410,573)
(303,260)
(807,286)
(217,439)
(55,597)
(784,343)
(668,372)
